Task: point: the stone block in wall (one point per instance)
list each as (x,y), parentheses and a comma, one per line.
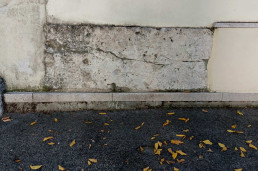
(129,59)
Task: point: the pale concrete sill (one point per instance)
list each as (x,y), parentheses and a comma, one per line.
(236,25)
(29,97)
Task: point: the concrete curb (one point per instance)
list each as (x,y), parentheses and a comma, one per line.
(34,97)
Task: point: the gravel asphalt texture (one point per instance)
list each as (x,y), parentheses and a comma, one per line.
(117,146)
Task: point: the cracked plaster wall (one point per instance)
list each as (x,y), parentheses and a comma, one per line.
(22,43)
(106,58)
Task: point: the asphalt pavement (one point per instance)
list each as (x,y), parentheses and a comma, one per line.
(129,139)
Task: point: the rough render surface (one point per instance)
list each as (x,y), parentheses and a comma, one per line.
(22,43)
(130,59)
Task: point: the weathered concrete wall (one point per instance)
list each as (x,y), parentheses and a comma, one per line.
(22,43)
(159,13)
(95,58)
(233,64)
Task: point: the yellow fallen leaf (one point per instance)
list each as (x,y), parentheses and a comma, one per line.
(204,110)
(234,126)
(200,156)
(56,120)
(207,142)
(161,161)
(176,169)
(167,122)
(236,149)
(184,119)
(177,142)
(93,160)
(102,113)
(153,138)
(47,138)
(104,138)
(33,123)
(106,124)
(51,143)
(238,169)
(186,130)
(87,122)
(157,151)
(159,143)
(201,145)
(249,141)
(180,160)
(139,126)
(210,150)
(89,146)
(156,146)
(17,161)
(35,167)
(249,126)
(239,132)
(89,163)
(170,150)
(224,148)
(191,137)
(102,130)
(60,168)
(174,155)
(170,162)
(171,113)
(141,148)
(156,135)
(147,169)
(165,142)
(72,143)
(50,130)
(105,144)
(242,154)
(240,113)
(181,153)
(180,135)
(252,146)
(242,149)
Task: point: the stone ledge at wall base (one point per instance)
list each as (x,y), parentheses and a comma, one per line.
(46,102)
(2,90)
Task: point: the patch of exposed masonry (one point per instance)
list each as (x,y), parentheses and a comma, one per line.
(99,58)
(2,90)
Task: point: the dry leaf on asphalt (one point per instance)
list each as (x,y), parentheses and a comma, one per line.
(157,151)
(170,162)
(50,130)
(106,124)
(138,127)
(174,155)
(141,148)
(170,150)
(180,160)
(93,160)
(171,113)
(191,137)
(200,156)
(242,149)
(56,120)
(205,111)
(238,169)
(177,142)
(201,145)
(224,148)
(89,146)
(152,138)
(242,154)
(240,113)
(33,123)
(167,122)
(236,149)
(181,153)
(208,142)
(234,126)
(184,119)
(72,143)
(161,161)
(186,130)
(51,143)
(210,150)
(147,169)
(239,132)
(252,146)
(176,169)
(35,167)
(249,141)
(6,119)
(102,113)
(87,122)
(249,126)
(60,168)
(47,138)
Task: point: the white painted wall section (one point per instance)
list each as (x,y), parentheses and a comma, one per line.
(233,66)
(165,13)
